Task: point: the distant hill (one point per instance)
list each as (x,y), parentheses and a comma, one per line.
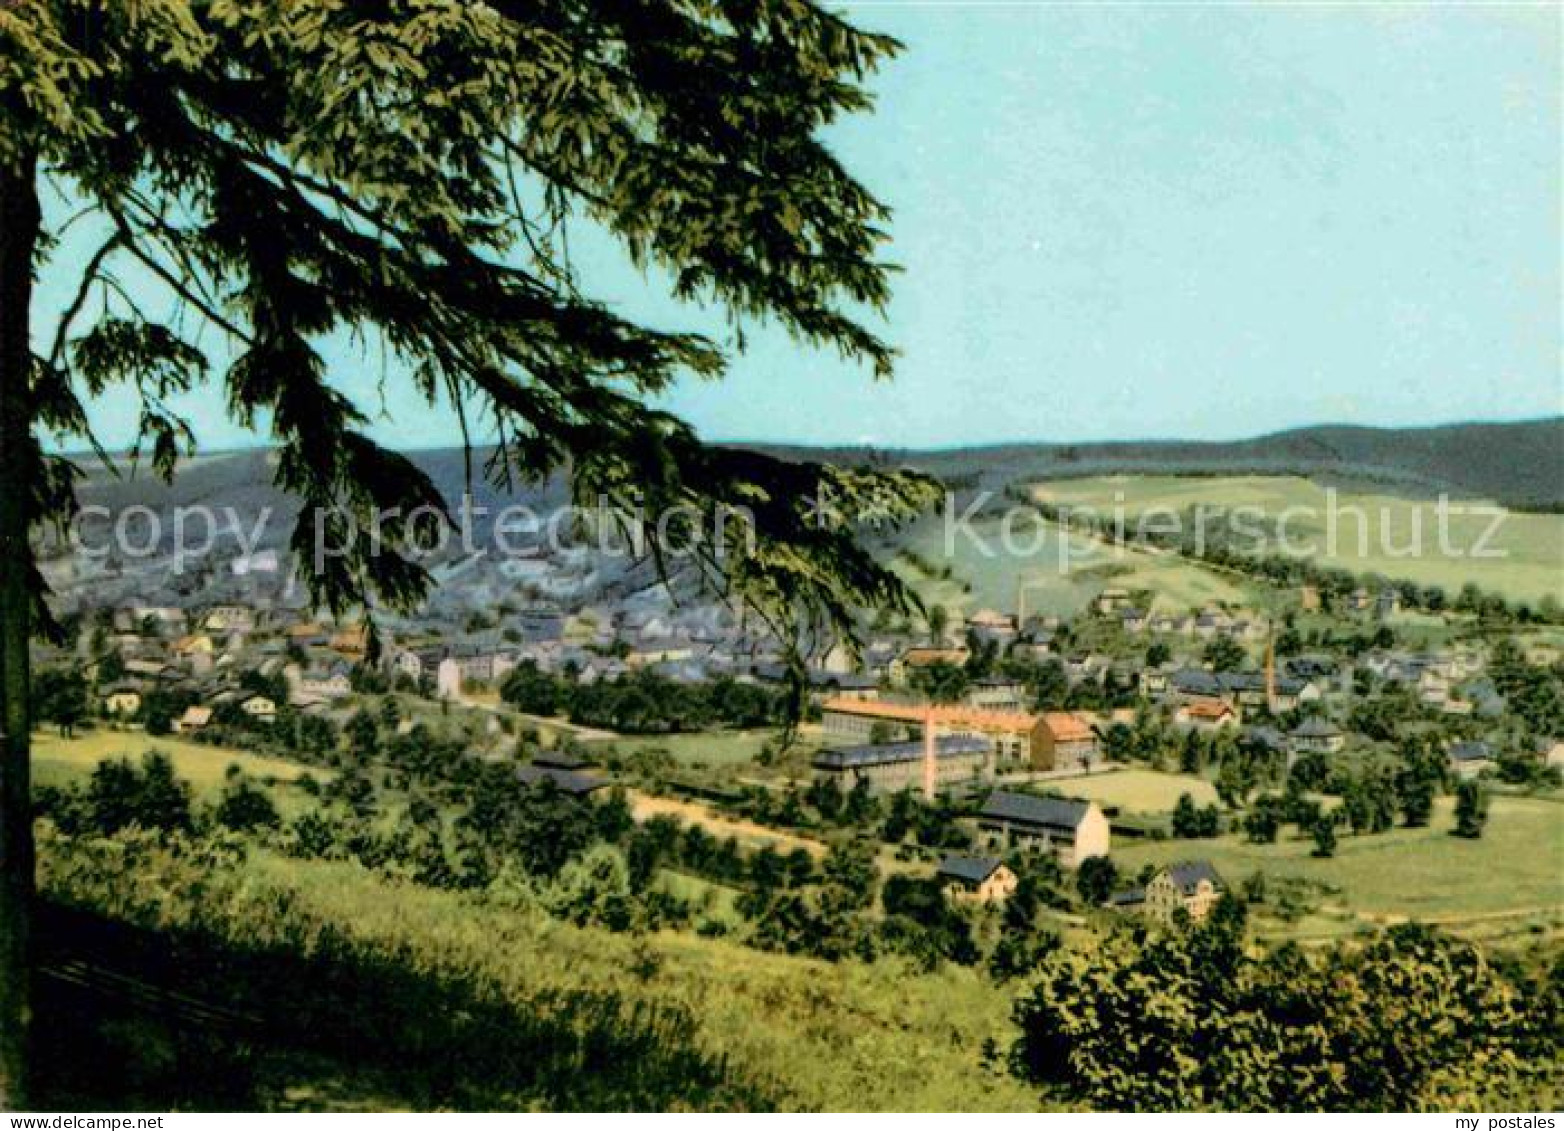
(1519,464)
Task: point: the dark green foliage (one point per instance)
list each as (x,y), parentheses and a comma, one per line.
(930,825)
(941,681)
(644,702)
(122,795)
(1189,1021)
(245,807)
(1018,955)
(1224,654)
(1534,693)
(922,924)
(1022,944)
(1192,755)
(60,697)
(1047,686)
(536,824)
(1309,773)
(363,736)
(1471,809)
(1263,821)
(1384,716)
(529,688)
(1415,794)
(849,878)
(1369,801)
(1323,829)
(1191,821)
(1418,781)
(1095,879)
(1241,768)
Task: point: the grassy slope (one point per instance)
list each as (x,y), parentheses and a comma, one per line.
(985,573)
(1057,582)
(847,1036)
(1522,461)
(843,1037)
(853,1037)
(709,749)
(1532,544)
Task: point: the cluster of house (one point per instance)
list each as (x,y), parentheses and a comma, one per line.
(204,653)
(1189,887)
(1208,624)
(876,729)
(1072,831)
(204,656)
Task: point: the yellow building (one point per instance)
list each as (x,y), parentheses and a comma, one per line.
(260,707)
(194,718)
(121,701)
(977,879)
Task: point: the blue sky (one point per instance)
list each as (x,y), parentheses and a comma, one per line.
(1139,220)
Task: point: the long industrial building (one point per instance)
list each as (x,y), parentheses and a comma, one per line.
(1040,741)
(888,767)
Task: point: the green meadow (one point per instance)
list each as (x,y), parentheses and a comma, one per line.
(1518,555)
(1136,790)
(1507,885)
(712,749)
(66,761)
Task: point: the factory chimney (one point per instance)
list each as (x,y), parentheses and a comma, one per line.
(930,771)
(1270,668)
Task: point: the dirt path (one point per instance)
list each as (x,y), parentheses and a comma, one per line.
(644,807)
(575,730)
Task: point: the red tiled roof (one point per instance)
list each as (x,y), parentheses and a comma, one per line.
(917,657)
(1067,727)
(950,715)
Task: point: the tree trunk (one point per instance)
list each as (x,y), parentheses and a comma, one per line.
(19,227)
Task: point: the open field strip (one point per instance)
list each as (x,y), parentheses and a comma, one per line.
(1518,555)
(65,761)
(1514,873)
(1134,790)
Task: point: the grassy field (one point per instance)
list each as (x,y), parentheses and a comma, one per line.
(64,761)
(1061,574)
(715,748)
(1136,790)
(1372,532)
(1504,885)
